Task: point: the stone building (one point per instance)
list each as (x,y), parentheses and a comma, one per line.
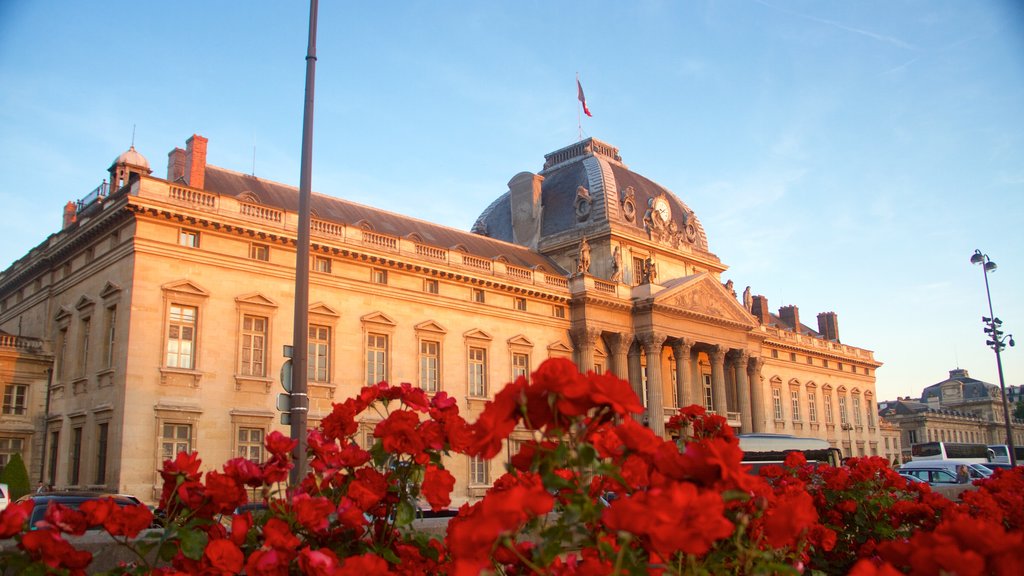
(958,409)
(167,302)
(24,370)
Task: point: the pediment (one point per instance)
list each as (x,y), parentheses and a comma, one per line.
(430,326)
(560,347)
(775,380)
(703,296)
(109,289)
(256,299)
(520,340)
(794,382)
(323,309)
(185,287)
(63,313)
(84,302)
(477,334)
(378,318)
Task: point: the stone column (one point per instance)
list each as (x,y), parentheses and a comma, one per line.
(681,349)
(584,338)
(743,391)
(717,355)
(636,377)
(618,346)
(652,343)
(756,395)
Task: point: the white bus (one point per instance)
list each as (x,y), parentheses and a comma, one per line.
(976,453)
(1001,453)
(762,449)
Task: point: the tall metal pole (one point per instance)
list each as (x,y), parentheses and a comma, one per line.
(300,352)
(997,345)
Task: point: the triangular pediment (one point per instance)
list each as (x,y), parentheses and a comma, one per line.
(702,296)
(775,381)
(322,309)
(378,318)
(109,289)
(430,326)
(477,334)
(185,287)
(84,302)
(560,346)
(256,299)
(520,340)
(63,313)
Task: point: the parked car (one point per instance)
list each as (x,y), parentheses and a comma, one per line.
(993,466)
(977,471)
(5,496)
(911,479)
(933,476)
(40,501)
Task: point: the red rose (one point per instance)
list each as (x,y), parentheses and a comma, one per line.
(399,433)
(277,534)
(12,518)
(240,524)
(225,556)
(437,487)
(368,488)
(225,492)
(320,562)
(312,511)
(129,520)
(280,445)
(66,519)
(363,565)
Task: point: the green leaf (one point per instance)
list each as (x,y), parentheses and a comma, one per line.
(405,514)
(193,542)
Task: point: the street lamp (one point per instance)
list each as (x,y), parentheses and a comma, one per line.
(848,427)
(997,341)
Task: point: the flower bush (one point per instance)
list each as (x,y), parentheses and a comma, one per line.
(592,492)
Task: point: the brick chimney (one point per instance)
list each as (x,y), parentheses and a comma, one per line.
(195,161)
(760,309)
(70,215)
(175,165)
(828,326)
(790,316)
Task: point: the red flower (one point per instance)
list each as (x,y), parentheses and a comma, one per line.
(399,433)
(674,519)
(312,512)
(128,520)
(497,421)
(225,492)
(792,515)
(244,471)
(341,422)
(47,546)
(240,524)
(363,565)
(278,535)
(617,394)
(97,511)
(368,488)
(12,518)
(280,445)
(66,519)
(224,555)
(268,563)
(437,487)
(320,562)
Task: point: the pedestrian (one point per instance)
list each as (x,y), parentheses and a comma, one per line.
(963,475)
(41,488)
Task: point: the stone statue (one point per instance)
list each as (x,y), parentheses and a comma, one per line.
(650,275)
(748,300)
(729,287)
(616,265)
(583,259)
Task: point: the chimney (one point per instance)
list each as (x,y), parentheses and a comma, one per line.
(790,316)
(70,215)
(760,309)
(525,200)
(828,326)
(175,165)
(195,161)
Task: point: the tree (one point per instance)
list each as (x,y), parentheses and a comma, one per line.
(1018,410)
(16,477)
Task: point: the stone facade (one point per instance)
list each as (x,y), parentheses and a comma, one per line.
(24,371)
(168,302)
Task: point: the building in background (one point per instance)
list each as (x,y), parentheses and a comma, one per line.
(958,409)
(167,303)
(24,369)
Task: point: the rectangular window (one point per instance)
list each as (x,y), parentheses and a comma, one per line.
(792,356)
(322,264)
(709,396)
(839,366)
(376,358)
(869,411)
(379,276)
(479,471)
(83,348)
(824,363)
(558,311)
(250,444)
(319,353)
(520,366)
(856,411)
(430,286)
(430,365)
(775,353)
(827,398)
(521,304)
(794,397)
(54,441)
(638,270)
(62,353)
(102,432)
(75,457)
(15,399)
(110,342)
(176,438)
(810,360)
(188,238)
(478,372)
(853,369)
(478,295)
(259,252)
(181,336)
(254,346)
(8,448)
(812,408)
(843,418)
(777,403)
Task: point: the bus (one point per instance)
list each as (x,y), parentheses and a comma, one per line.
(1001,453)
(763,449)
(976,453)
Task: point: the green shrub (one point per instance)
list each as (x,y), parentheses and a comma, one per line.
(16,477)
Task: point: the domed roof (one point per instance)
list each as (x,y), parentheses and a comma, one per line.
(132,157)
(587,185)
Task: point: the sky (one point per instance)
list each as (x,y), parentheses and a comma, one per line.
(842,156)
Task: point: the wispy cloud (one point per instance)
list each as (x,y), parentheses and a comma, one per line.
(868,33)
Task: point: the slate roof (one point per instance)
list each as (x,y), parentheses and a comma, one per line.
(329,208)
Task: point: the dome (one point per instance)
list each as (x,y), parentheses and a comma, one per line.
(131,157)
(586,185)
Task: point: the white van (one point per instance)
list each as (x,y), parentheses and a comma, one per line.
(977,471)
(5,496)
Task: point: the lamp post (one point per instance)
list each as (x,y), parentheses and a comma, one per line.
(849,434)
(997,341)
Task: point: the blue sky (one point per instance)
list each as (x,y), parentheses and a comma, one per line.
(842,156)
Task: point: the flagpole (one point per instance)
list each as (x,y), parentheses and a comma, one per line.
(579,115)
